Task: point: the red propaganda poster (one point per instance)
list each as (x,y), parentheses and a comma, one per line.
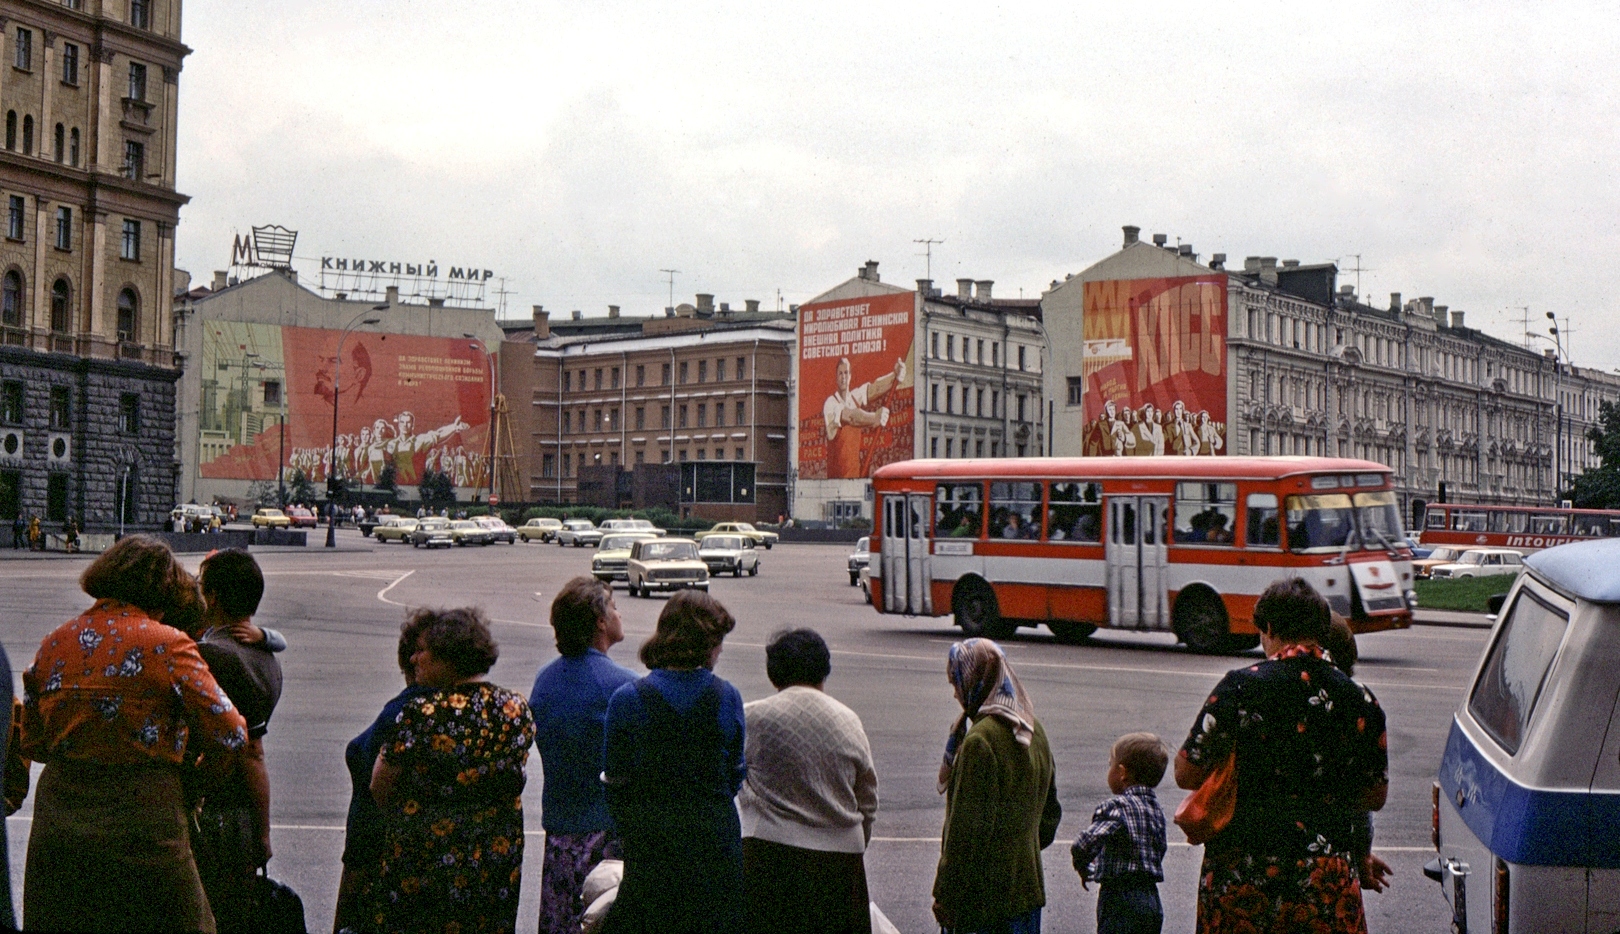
(855,385)
(1155,366)
(413,403)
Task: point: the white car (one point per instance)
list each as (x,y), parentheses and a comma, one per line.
(579,533)
(630,525)
(733,554)
(1480,562)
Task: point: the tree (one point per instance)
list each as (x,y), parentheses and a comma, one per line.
(299,489)
(388,480)
(437,489)
(1599,488)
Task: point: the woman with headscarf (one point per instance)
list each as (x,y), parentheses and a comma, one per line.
(1001,806)
(117,704)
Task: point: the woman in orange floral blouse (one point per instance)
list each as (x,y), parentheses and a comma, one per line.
(114,705)
(449,785)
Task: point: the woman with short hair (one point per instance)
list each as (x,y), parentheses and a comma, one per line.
(449,784)
(117,702)
(674,762)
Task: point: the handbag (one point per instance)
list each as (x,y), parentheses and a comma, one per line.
(1207,811)
(279,909)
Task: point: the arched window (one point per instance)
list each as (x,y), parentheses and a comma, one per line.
(61,307)
(73,146)
(28,135)
(11,129)
(129,318)
(60,141)
(11,300)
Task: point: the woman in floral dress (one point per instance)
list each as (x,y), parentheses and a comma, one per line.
(1311,760)
(449,785)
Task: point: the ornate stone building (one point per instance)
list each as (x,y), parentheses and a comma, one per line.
(87,183)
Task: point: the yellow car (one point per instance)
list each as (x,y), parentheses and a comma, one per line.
(394,529)
(613,555)
(271,519)
(745,529)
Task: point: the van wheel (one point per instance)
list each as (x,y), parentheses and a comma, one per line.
(978,613)
(1071,632)
(1200,622)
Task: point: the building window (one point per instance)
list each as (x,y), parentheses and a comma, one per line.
(59,143)
(978,403)
(1077,385)
(664,378)
(272,392)
(720,370)
(56,496)
(981,353)
(130,247)
(613,419)
(28,135)
(581,380)
(995,354)
(596,420)
(568,381)
(24,52)
(683,372)
(742,368)
(703,371)
(933,447)
(615,378)
(933,345)
(62,314)
(140,14)
(641,456)
(598,379)
(719,415)
(1021,400)
(995,405)
(129,413)
(682,422)
(568,465)
(568,422)
(742,413)
(134,159)
(950,354)
(664,417)
(70,63)
(11,300)
(548,466)
(641,417)
(73,146)
(1021,357)
(641,376)
(683,455)
(702,454)
(11,129)
(933,397)
(11,404)
(702,410)
(739,454)
(16,207)
(61,408)
(950,399)
(129,315)
(64,228)
(950,446)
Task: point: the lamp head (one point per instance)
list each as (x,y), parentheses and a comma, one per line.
(372,320)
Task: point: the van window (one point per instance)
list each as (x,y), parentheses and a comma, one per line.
(1516,669)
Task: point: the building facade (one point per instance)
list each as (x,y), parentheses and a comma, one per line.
(87,181)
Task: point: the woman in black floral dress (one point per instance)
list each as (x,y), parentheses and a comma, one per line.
(449,784)
(1311,760)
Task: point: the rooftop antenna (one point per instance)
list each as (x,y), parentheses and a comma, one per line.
(779,300)
(928,252)
(500,300)
(671,274)
(1525,321)
(1358,269)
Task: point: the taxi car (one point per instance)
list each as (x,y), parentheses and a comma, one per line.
(433,532)
(497,528)
(268,518)
(613,555)
(468,532)
(540,530)
(729,554)
(1480,562)
(579,533)
(760,537)
(394,529)
(1528,790)
(665,564)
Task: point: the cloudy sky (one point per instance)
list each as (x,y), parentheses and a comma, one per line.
(1462,151)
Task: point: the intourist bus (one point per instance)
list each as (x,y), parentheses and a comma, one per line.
(1173,544)
(1524,528)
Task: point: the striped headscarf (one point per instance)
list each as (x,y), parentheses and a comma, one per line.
(985,680)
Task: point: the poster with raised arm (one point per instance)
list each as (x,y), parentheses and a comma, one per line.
(856,374)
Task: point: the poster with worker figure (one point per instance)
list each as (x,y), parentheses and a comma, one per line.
(856,376)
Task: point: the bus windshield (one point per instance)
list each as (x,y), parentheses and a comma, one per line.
(1323,522)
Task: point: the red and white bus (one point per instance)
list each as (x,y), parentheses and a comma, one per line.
(1173,544)
(1525,528)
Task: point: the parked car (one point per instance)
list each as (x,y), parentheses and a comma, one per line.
(268,518)
(394,529)
(665,564)
(1480,562)
(497,528)
(539,530)
(729,554)
(859,558)
(579,533)
(1443,554)
(630,525)
(468,532)
(866,582)
(1529,781)
(1415,547)
(768,539)
(190,517)
(613,555)
(302,518)
(433,532)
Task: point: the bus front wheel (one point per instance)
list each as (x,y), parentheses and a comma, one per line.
(1201,622)
(977,612)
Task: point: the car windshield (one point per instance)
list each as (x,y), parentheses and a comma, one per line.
(864,544)
(1472,557)
(722,542)
(1445,554)
(1322,522)
(744,526)
(619,542)
(668,551)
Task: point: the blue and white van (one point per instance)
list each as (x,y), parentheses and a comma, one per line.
(1527,806)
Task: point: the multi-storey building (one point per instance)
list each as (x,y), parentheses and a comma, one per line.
(87,184)
(702,387)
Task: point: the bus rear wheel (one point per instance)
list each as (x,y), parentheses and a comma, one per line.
(1201,622)
(1071,632)
(977,612)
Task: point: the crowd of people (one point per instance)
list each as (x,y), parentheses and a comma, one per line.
(669,801)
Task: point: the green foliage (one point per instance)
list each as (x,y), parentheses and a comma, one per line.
(1467,594)
(437,489)
(388,480)
(1599,488)
(299,489)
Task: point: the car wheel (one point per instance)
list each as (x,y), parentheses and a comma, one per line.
(768,546)
(736,571)
(754,571)
(415,543)
(854,579)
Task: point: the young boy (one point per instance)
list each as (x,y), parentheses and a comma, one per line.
(1123,849)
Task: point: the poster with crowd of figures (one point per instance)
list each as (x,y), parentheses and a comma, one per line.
(855,385)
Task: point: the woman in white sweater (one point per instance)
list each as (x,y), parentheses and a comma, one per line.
(808,801)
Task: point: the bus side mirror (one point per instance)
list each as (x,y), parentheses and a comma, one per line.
(1494,604)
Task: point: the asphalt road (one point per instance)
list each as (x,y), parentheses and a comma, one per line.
(340,611)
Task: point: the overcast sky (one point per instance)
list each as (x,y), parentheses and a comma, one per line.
(1464,151)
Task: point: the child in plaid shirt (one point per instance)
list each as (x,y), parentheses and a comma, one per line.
(1123,849)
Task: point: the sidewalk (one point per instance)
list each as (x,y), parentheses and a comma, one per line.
(1451,618)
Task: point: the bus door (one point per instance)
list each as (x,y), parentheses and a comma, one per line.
(906,583)
(1138,557)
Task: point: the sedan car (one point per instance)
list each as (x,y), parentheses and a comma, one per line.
(1480,562)
(434,532)
(468,532)
(579,533)
(497,528)
(302,518)
(268,518)
(665,564)
(394,529)
(613,555)
(768,539)
(541,530)
(731,554)
(1445,554)
(630,525)
(858,559)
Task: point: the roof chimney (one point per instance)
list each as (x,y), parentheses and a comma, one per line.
(1439,313)
(1347,291)
(542,323)
(705,304)
(1217,261)
(1427,302)
(983,291)
(1290,264)
(391,295)
(1184,249)
(613,311)
(1268,270)
(1160,239)
(751,305)
(869,271)
(964,289)
(576,315)
(1251,264)
(1394,301)
(220,281)
(1132,234)
(1550,354)
(924,287)
(1457,320)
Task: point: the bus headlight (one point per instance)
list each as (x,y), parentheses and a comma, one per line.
(1411,600)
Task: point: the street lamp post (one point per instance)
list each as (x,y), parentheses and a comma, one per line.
(1558,408)
(337,394)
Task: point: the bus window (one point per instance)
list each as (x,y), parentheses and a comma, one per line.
(1544,524)
(1436,519)
(1467,521)
(1206,513)
(1015,510)
(1379,518)
(1496,522)
(1515,522)
(1074,512)
(1319,522)
(958,510)
(1264,527)
(1590,526)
